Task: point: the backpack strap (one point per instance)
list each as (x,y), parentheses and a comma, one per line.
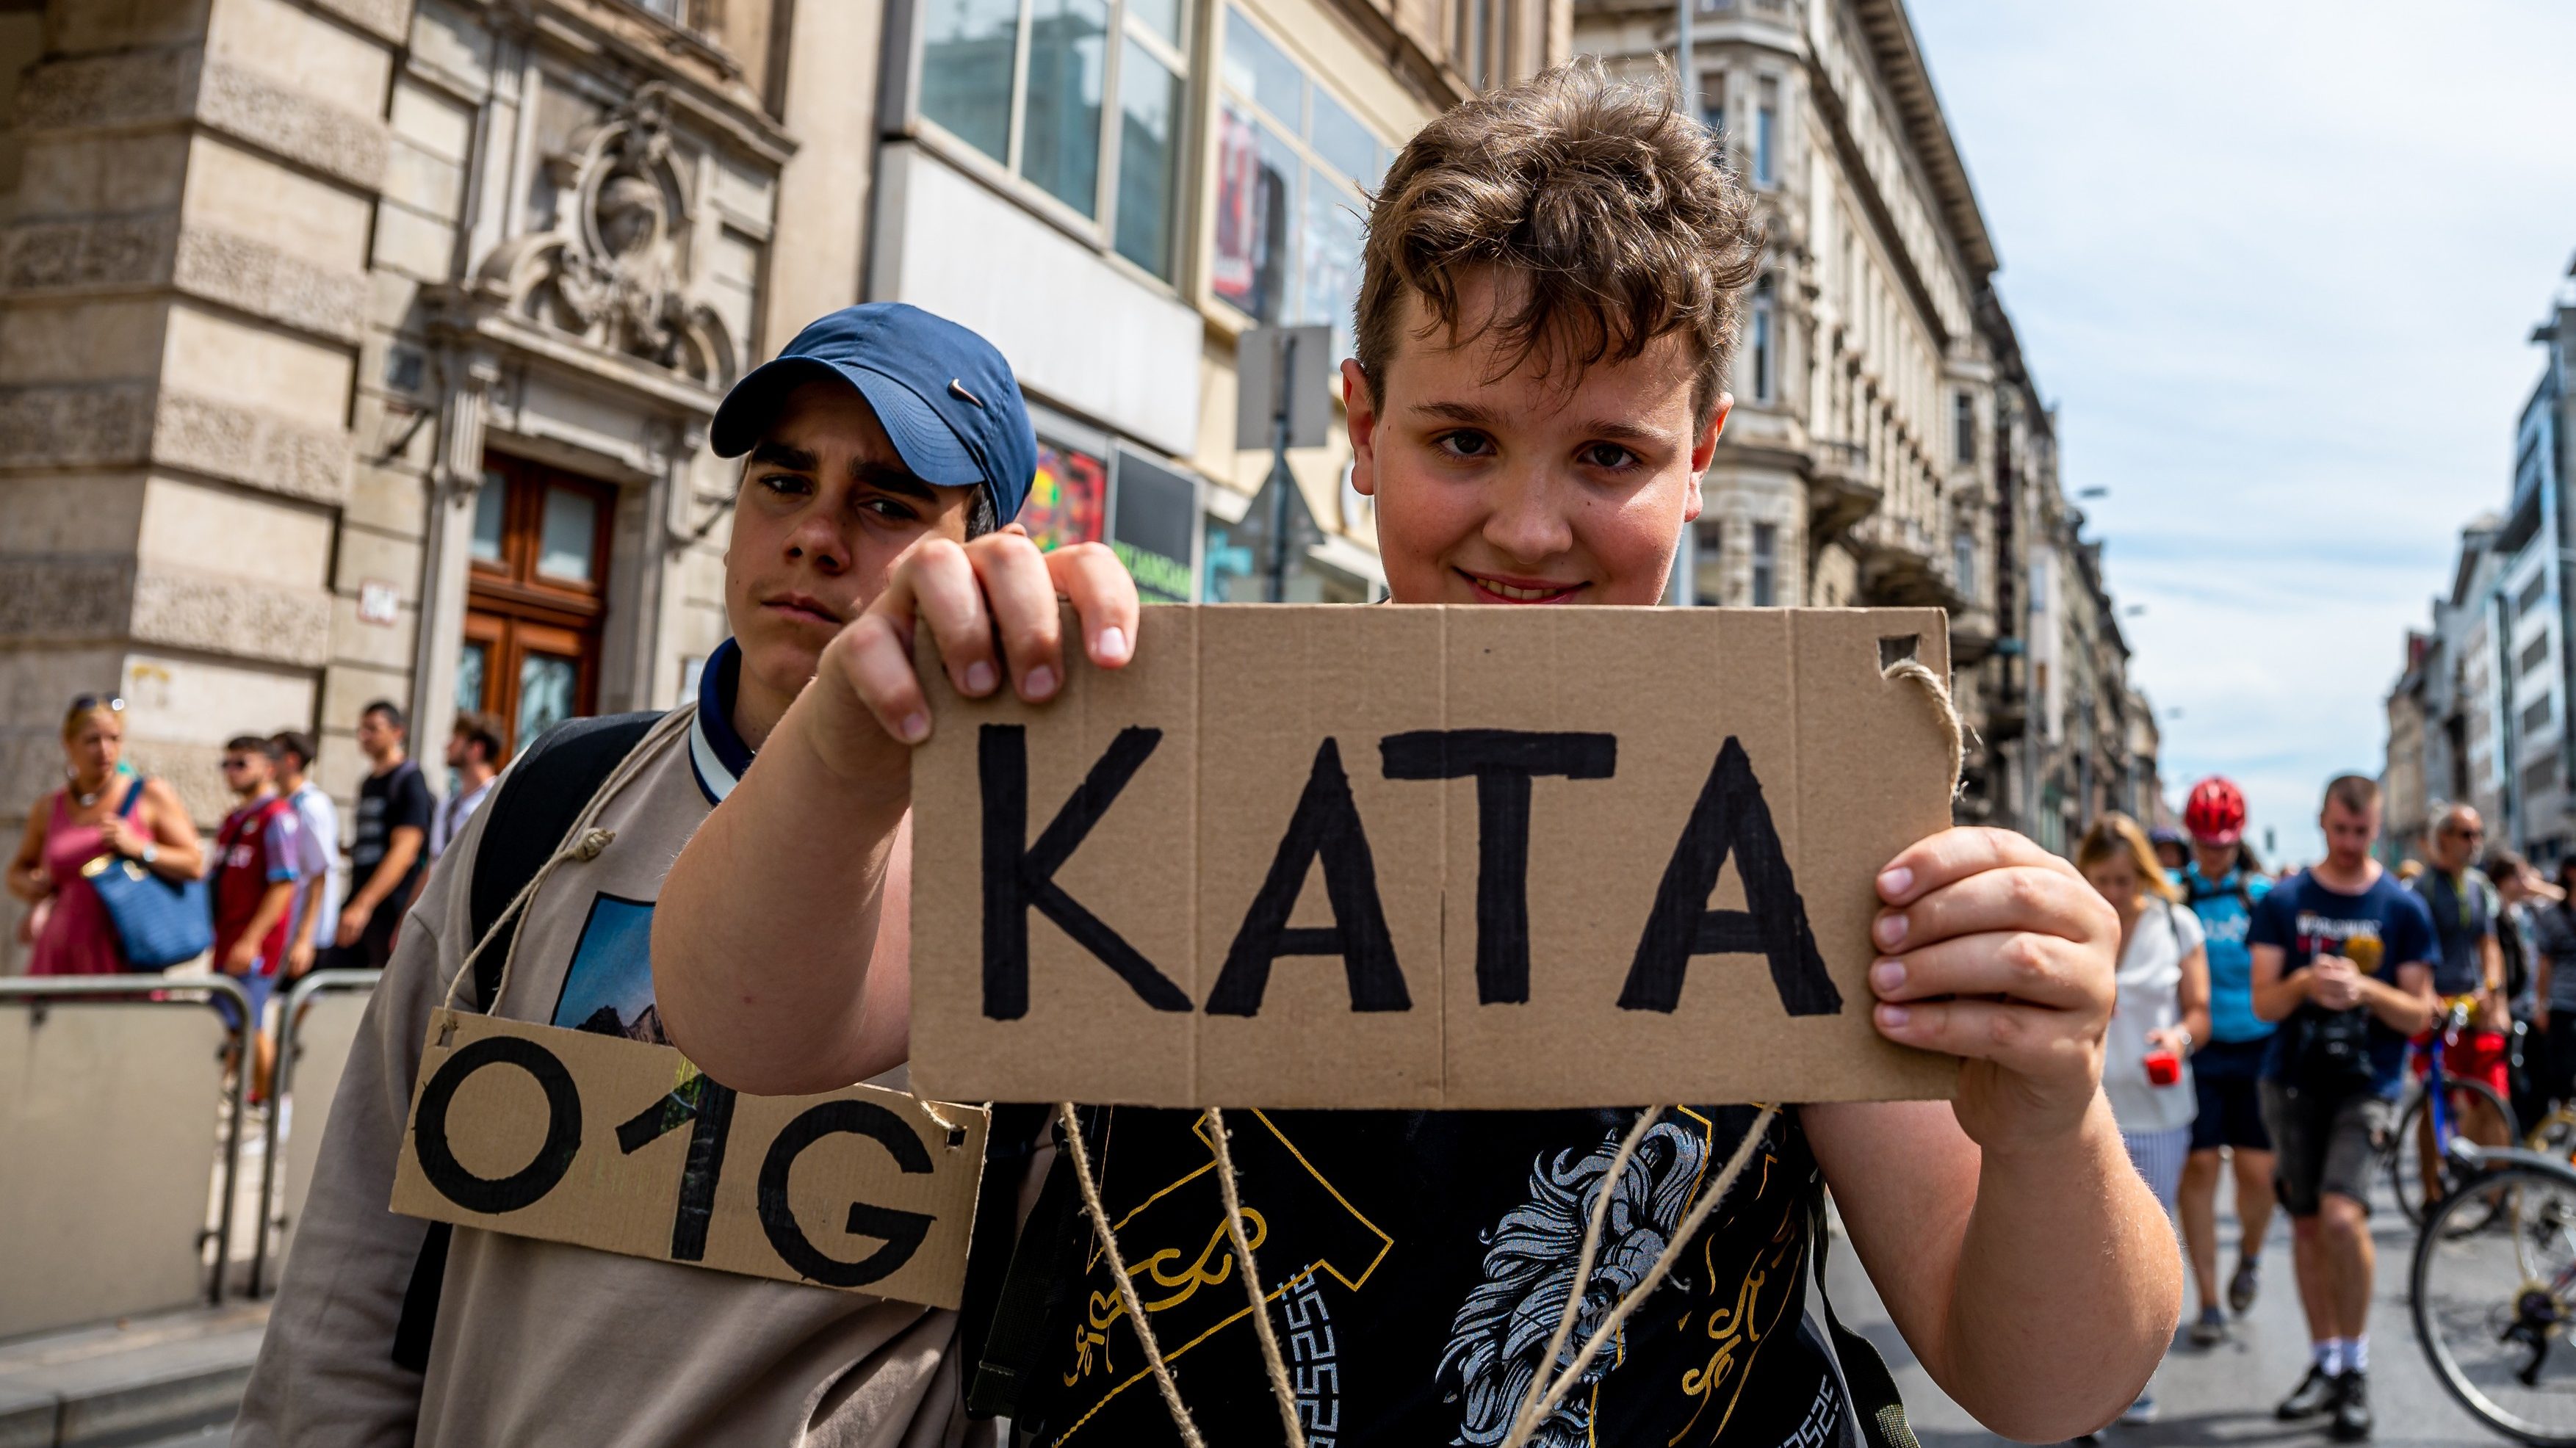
(1876,1403)
(531,812)
(133,797)
(532,809)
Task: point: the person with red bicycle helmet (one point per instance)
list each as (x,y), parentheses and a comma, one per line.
(2221,882)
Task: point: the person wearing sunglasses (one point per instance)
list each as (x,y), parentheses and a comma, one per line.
(102,808)
(2470,962)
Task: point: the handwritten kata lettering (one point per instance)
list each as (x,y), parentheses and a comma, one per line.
(1729,821)
(1326,824)
(1019,878)
(1730,814)
(1503,761)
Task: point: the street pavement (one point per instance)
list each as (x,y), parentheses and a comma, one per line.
(2222,1395)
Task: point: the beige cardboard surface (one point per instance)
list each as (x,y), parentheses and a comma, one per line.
(1428,858)
(623,1146)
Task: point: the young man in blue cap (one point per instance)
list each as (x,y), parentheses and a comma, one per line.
(880,430)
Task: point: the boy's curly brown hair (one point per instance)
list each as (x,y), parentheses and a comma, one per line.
(1613,213)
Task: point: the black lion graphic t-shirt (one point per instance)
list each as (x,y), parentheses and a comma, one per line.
(1416,1264)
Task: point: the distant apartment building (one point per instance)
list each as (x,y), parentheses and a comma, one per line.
(2480,712)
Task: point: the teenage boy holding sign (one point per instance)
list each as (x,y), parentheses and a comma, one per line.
(881,426)
(1548,302)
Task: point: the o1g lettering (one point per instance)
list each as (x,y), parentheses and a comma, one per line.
(906,1195)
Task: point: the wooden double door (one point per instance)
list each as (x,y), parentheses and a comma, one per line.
(536,598)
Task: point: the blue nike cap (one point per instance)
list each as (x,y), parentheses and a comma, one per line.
(945,397)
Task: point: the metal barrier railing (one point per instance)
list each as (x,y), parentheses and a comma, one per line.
(290,1047)
(151,990)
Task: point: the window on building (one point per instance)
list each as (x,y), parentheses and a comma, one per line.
(2532,593)
(1052,65)
(1708,564)
(536,591)
(1766,135)
(2536,718)
(2540,776)
(1963,561)
(1762,353)
(1766,564)
(1291,159)
(1963,427)
(2535,654)
(1712,103)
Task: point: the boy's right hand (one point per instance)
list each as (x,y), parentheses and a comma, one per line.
(999,587)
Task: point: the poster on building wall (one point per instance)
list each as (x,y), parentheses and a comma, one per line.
(1428,858)
(1069,499)
(1253,197)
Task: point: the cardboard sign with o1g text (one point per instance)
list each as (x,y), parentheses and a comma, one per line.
(1430,858)
(623,1146)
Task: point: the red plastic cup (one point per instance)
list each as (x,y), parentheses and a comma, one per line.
(2164,1068)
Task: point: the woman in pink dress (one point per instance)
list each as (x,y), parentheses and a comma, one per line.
(74,825)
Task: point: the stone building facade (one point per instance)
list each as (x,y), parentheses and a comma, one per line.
(358,349)
(1888,445)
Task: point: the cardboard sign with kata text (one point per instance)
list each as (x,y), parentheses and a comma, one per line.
(1428,857)
(624,1146)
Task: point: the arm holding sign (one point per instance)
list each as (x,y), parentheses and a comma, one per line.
(807,854)
(2016,1247)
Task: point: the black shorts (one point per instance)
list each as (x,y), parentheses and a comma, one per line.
(2325,1142)
(2225,1075)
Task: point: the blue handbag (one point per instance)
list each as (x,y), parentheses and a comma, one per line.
(159,922)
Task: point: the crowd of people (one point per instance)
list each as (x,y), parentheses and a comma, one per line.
(272,896)
(2266,1028)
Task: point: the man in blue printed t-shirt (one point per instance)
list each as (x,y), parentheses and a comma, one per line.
(2221,884)
(2342,959)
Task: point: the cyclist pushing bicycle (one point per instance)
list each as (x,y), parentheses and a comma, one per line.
(2468,965)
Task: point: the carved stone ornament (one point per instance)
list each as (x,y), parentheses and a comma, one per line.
(615,268)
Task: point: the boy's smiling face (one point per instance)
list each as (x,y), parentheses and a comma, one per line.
(1504,484)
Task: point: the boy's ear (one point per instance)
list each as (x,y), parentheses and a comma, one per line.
(1704,448)
(1361,409)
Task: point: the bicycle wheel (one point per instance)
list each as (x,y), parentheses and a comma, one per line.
(2490,1302)
(2405,1152)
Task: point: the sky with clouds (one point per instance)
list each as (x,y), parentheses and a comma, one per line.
(2277,264)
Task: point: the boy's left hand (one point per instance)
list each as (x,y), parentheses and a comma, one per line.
(1994,949)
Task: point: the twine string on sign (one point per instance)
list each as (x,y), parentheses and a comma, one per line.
(1674,1246)
(1118,1273)
(1279,1386)
(1954,730)
(583,842)
(1522,1419)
